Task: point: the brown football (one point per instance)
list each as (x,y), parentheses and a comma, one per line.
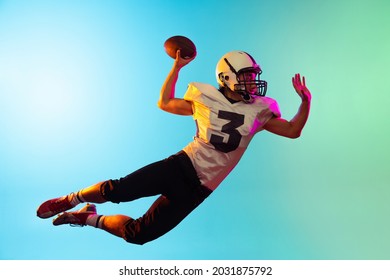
(186,46)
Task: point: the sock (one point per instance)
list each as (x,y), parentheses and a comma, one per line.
(75,198)
(95,221)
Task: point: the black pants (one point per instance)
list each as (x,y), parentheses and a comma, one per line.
(178,185)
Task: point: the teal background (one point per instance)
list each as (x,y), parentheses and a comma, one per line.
(79,83)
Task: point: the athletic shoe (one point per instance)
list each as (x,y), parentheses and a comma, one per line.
(77,218)
(55,206)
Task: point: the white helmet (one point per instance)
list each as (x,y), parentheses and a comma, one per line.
(234,63)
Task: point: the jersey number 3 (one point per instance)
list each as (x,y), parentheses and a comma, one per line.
(236,120)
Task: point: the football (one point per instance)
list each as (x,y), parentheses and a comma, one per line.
(186,46)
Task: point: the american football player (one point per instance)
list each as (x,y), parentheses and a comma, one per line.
(227,118)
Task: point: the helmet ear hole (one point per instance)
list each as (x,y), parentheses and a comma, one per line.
(223,78)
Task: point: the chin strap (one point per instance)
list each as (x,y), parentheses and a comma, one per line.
(246,97)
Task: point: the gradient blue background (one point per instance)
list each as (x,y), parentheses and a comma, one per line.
(79,82)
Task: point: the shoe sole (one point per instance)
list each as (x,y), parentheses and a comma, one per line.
(63,219)
(69,218)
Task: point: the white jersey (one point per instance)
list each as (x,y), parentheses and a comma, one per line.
(224,130)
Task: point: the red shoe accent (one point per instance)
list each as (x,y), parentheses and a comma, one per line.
(54,206)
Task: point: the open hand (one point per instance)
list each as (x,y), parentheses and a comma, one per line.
(300,87)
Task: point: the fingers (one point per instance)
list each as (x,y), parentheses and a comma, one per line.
(182,60)
(178,54)
(298,77)
(295,81)
(298,82)
(300,87)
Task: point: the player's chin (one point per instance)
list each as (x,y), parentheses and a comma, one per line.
(252,92)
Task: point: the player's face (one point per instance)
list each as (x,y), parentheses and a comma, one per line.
(249,79)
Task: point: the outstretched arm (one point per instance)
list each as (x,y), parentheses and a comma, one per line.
(168,102)
(293,128)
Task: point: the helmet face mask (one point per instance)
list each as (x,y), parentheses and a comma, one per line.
(251,83)
(239,72)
